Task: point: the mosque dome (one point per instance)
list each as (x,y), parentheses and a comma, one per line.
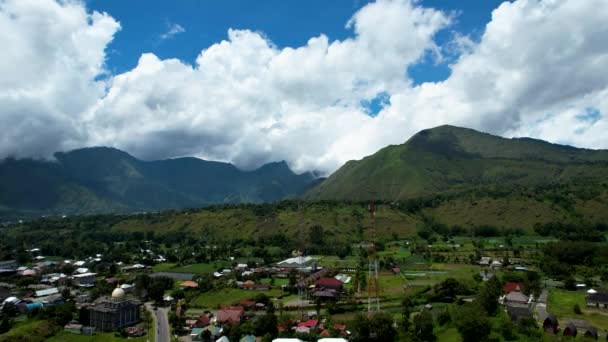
(118,293)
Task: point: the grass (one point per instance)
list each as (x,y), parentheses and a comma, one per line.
(193,268)
(100,337)
(163,267)
(561,304)
(28,329)
(447,334)
(278,282)
(228,296)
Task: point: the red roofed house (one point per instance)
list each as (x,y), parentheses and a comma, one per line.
(329,283)
(232,314)
(311,323)
(247,304)
(202,321)
(189,284)
(512,286)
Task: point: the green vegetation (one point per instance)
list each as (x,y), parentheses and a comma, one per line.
(446,159)
(561,304)
(98,180)
(228,296)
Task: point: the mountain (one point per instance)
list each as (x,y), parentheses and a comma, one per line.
(101,179)
(451,159)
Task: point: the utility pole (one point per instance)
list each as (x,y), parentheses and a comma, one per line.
(373,288)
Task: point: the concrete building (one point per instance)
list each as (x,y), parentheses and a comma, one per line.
(114,313)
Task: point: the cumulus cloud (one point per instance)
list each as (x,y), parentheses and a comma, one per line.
(539,69)
(172,30)
(53,53)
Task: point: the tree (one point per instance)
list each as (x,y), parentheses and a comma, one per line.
(378,327)
(266,324)
(381,327)
(488,295)
(156,292)
(423,327)
(472,323)
(406,311)
(5,325)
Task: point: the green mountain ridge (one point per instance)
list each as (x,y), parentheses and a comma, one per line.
(449,159)
(102,180)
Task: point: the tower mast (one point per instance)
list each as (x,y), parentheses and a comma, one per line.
(373,289)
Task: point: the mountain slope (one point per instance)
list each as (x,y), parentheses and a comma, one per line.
(103,179)
(449,158)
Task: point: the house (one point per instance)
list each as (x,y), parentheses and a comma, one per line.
(550,325)
(329,294)
(189,284)
(128,288)
(85,279)
(599,300)
(248,338)
(47,292)
(310,324)
(9,265)
(251,286)
(484,261)
(73,328)
(223,339)
(512,286)
(517,298)
(196,334)
(247,304)
(328,283)
(570,330)
(232,314)
(517,313)
(496,264)
(202,321)
(296,262)
(82,270)
(591,333)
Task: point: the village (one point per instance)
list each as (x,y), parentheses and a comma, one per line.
(300,298)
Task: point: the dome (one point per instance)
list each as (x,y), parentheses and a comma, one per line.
(118,293)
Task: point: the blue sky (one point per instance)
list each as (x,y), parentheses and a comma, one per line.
(286,23)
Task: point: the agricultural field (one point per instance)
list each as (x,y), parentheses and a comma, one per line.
(561,304)
(228,296)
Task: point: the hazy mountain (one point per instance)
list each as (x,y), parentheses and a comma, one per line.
(101,179)
(449,158)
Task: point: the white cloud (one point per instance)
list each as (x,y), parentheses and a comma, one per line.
(52,53)
(538,66)
(172,30)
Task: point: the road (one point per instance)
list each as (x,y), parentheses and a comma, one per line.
(161,322)
(541,306)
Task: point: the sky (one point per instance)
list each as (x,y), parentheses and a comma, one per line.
(315,83)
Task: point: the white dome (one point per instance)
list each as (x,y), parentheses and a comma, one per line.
(118,293)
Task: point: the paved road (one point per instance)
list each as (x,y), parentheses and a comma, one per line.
(161,323)
(541,307)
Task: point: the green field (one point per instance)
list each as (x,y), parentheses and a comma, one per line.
(561,304)
(228,296)
(193,268)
